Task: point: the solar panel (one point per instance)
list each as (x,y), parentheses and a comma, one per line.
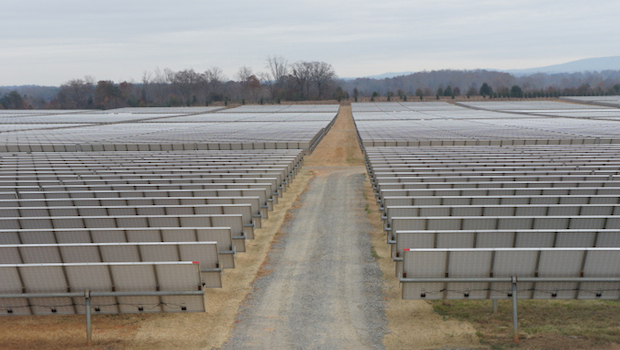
(265,204)
(227,246)
(206,253)
(135,221)
(54,289)
(501,239)
(541,273)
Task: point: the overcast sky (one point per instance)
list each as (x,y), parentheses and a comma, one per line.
(49,42)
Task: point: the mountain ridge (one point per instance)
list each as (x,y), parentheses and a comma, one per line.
(592,64)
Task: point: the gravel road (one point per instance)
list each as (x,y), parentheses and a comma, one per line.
(320,287)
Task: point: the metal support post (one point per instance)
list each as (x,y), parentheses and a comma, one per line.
(515,318)
(89,333)
(494,306)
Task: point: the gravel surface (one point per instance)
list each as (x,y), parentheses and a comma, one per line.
(320,287)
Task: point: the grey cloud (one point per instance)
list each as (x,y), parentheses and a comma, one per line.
(47,42)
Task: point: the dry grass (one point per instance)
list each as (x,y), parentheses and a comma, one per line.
(543,324)
(160,331)
(340,146)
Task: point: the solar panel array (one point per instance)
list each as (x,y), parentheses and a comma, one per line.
(521,194)
(166,110)
(545,273)
(493,123)
(138,207)
(137,287)
(195,189)
(549,108)
(155,129)
(31,112)
(284,109)
(515,106)
(612,101)
(88,118)
(248,117)
(401,107)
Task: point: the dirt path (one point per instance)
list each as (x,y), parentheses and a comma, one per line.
(328,282)
(321,287)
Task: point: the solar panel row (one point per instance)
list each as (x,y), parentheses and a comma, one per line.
(163,191)
(157,129)
(484,123)
(612,101)
(499,190)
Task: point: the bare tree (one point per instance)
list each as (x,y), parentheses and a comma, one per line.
(244,73)
(264,78)
(301,72)
(323,76)
(278,67)
(313,79)
(278,70)
(168,75)
(109,95)
(214,86)
(215,74)
(250,87)
(145,90)
(187,82)
(159,91)
(77,94)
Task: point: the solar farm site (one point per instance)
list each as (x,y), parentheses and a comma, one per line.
(497,200)
(332,227)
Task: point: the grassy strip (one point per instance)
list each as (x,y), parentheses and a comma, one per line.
(543,324)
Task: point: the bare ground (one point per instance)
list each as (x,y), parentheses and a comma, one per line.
(320,288)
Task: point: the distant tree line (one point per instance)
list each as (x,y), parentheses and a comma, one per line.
(486,83)
(282,81)
(299,81)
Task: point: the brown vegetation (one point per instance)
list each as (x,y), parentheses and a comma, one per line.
(543,324)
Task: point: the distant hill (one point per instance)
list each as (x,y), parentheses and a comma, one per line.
(388,75)
(597,64)
(382,76)
(45,93)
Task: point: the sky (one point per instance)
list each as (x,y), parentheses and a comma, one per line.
(45,42)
